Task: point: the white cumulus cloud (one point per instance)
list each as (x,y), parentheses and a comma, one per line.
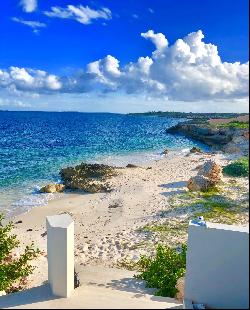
(21,79)
(188,70)
(158,39)
(82,14)
(28,5)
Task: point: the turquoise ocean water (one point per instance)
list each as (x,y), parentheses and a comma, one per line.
(34,146)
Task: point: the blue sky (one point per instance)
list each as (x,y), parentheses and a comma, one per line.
(122,56)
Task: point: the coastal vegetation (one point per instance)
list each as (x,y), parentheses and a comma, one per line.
(217,204)
(14,267)
(238,168)
(163,270)
(234,124)
(226,203)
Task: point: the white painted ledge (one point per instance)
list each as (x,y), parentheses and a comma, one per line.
(218,266)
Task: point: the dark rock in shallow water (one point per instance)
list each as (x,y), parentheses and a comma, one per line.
(165,152)
(195,150)
(88,177)
(52,188)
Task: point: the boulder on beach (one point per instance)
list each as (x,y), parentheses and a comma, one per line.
(131,166)
(195,150)
(52,188)
(199,183)
(90,178)
(212,171)
(209,175)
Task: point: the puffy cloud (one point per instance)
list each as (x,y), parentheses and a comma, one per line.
(21,79)
(29,5)
(35,25)
(188,70)
(158,39)
(83,15)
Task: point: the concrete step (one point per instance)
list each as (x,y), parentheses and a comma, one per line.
(101,288)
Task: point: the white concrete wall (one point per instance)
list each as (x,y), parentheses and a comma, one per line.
(60,253)
(218,266)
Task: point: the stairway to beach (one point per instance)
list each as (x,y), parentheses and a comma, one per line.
(101,288)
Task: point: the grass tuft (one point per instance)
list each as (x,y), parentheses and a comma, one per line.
(238,168)
(234,124)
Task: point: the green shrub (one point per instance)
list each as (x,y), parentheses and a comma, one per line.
(13,269)
(238,168)
(163,270)
(235,124)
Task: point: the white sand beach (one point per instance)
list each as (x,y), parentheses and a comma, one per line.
(106,224)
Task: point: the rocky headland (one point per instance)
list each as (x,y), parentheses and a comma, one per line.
(231,136)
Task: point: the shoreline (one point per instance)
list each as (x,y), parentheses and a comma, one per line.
(36,199)
(107,225)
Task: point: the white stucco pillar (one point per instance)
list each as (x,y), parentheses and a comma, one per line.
(60,253)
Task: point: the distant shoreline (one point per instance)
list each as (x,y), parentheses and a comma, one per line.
(190,115)
(170,114)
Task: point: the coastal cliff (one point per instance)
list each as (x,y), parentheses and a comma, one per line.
(228,137)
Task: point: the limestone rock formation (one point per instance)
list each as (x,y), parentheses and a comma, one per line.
(203,132)
(52,188)
(199,183)
(239,143)
(229,140)
(88,177)
(212,171)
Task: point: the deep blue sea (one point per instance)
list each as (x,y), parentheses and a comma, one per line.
(34,146)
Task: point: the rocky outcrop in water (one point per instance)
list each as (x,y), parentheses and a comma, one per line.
(91,178)
(195,150)
(230,140)
(165,152)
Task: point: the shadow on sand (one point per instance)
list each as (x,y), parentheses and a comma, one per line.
(177,188)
